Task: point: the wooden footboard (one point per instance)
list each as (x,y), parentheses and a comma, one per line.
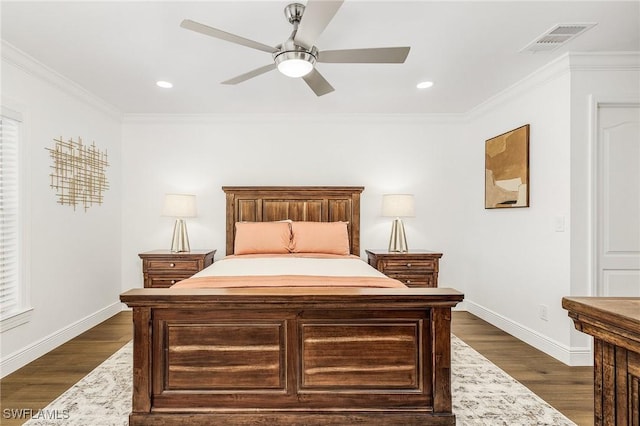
(292,356)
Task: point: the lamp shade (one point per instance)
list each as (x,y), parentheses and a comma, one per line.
(398,205)
(179,205)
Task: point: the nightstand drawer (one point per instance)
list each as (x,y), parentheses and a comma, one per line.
(402,266)
(417,268)
(164,280)
(409,280)
(178,265)
(162,268)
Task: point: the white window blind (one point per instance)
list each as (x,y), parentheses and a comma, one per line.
(11,297)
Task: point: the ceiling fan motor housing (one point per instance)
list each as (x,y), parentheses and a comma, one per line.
(290,50)
(294,12)
(293,51)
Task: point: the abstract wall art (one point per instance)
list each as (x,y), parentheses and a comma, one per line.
(78,173)
(507,169)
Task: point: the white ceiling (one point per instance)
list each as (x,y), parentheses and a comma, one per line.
(118,50)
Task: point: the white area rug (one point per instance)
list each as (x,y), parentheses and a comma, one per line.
(482,393)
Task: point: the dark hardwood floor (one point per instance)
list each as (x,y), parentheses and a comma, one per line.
(37,384)
(568,389)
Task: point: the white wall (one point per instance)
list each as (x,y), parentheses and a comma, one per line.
(200,154)
(594,78)
(73,256)
(520,262)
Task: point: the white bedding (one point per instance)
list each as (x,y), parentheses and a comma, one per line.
(334,267)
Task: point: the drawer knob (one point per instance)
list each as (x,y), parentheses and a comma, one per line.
(172,264)
(173,281)
(408,265)
(408,281)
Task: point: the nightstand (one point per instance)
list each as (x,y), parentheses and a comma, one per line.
(163,268)
(415,268)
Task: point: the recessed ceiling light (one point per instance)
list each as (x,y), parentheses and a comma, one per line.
(164,84)
(424,84)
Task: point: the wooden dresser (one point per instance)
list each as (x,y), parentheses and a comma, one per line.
(163,268)
(614,323)
(415,268)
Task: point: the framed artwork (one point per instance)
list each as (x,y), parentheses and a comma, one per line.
(506,159)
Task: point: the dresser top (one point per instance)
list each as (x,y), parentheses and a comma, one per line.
(379,252)
(182,253)
(623,312)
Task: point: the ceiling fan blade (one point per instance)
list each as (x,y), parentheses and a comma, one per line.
(376,55)
(250,74)
(317,83)
(317,15)
(223,35)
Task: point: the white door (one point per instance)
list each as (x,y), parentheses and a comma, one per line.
(618,200)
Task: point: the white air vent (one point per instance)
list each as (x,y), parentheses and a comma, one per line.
(556,37)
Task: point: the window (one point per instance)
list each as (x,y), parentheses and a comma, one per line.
(13,294)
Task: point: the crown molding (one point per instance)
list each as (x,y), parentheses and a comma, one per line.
(290,118)
(549,72)
(566,64)
(604,61)
(30,65)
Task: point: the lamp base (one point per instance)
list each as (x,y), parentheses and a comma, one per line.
(398,239)
(180,242)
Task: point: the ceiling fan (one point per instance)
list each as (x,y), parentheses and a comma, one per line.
(297,56)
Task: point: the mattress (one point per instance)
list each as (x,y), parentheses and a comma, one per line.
(289,271)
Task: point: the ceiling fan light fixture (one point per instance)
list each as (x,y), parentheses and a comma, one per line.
(296,63)
(295,67)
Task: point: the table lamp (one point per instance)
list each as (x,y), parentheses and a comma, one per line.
(179,206)
(398,205)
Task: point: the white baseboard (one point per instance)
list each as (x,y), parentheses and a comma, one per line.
(579,356)
(22,357)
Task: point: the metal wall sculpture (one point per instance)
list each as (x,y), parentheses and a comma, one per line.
(78,173)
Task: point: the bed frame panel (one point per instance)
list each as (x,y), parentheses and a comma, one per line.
(300,203)
(325,356)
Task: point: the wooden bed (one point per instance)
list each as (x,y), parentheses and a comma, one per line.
(293,356)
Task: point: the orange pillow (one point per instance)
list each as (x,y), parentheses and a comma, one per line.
(262,238)
(320,237)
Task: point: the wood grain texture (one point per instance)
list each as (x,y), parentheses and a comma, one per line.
(142,360)
(416,268)
(614,322)
(207,356)
(569,389)
(350,350)
(394,364)
(299,203)
(163,268)
(441,353)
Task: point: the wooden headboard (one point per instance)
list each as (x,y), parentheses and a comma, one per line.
(300,203)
